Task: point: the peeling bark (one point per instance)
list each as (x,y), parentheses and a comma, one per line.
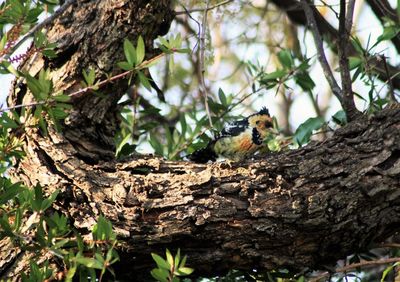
(300,208)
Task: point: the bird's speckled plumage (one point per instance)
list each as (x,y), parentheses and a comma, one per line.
(238,139)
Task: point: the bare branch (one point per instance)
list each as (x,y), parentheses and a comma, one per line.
(345,24)
(295,12)
(202,10)
(320,50)
(202,59)
(383,11)
(90,88)
(356,265)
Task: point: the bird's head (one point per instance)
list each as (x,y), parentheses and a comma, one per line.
(263,122)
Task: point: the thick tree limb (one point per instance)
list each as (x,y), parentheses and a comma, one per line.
(295,12)
(302,208)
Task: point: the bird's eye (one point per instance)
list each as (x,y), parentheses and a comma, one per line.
(268,124)
(257,122)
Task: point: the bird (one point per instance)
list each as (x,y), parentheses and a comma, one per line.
(238,139)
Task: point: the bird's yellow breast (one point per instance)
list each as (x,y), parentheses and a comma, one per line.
(236,147)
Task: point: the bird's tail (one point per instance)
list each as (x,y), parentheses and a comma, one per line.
(203,155)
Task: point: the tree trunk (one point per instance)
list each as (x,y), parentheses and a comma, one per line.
(300,208)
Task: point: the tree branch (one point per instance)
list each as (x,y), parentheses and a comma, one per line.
(345,25)
(355,266)
(382,10)
(203,10)
(295,12)
(290,209)
(202,50)
(320,50)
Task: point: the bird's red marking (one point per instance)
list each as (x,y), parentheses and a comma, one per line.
(246,144)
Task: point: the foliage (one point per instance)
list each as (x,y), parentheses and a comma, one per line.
(48,231)
(172,129)
(171,268)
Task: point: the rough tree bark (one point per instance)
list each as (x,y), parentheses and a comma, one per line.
(301,208)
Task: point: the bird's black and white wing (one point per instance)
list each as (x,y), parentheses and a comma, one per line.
(233,128)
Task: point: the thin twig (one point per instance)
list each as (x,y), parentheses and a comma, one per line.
(356,265)
(345,24)
(320,50)
(39,26)
(387,245)
(202,65)
(202,9)
(92,87)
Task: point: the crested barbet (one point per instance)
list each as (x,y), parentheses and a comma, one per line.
(238,140)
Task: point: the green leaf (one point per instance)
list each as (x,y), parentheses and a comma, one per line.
(177,41)
(340,118)
(274,75)
(387,270)
(89,262)
(301,279)
(160,274)
(18,219)
(62,98)
(46,203)
(10,192)
(171,64)
(177,259)
(5,227)
(183,50)
(124,141)
(304,80)
(222,97)
(183,123)
(357,45)
(140,50)
(388,33)
(183,262)
(103,230)
(156,144)
(161,263)
(89,76)
(170,258)
(354,62)
(183,271)
(58,113)
(285,58)
(305,130)
(41,87)
(125,66)
(9,68)
(130,52)
(7,122)
(398,11)
(3,41)
(269,80)
(164,42)
(144,80)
